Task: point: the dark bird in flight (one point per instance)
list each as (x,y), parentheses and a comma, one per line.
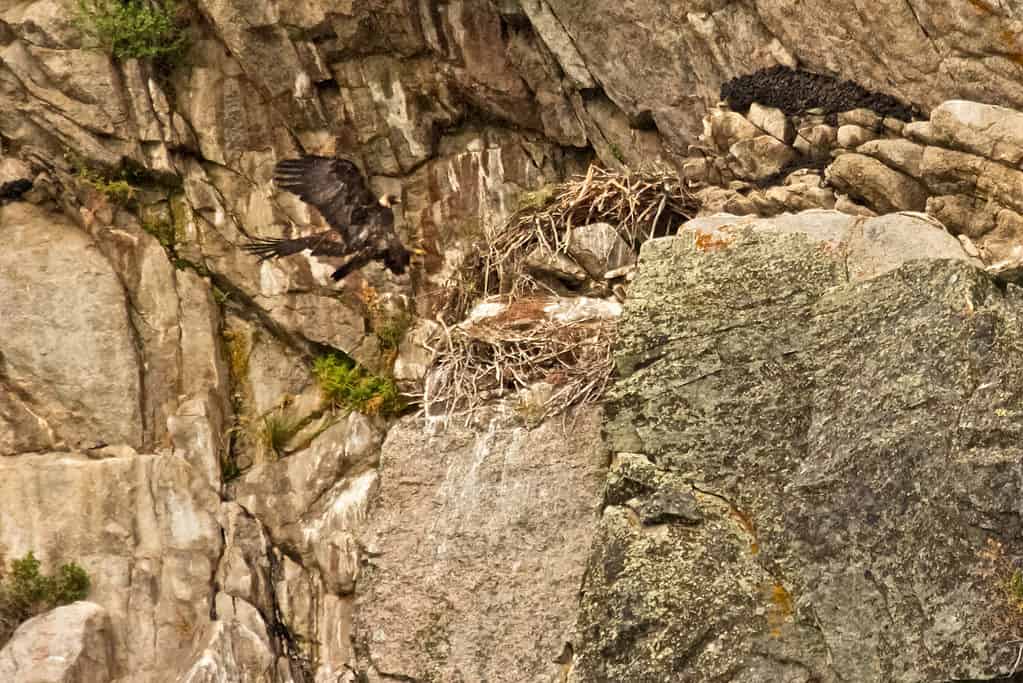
(362,226)
(11,191)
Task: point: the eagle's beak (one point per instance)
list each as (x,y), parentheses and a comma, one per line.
(418,252)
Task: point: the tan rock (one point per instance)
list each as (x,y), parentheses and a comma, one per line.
(416,354)
(554,267)
(761,157)
(772,121)
(882,188)
(77,385)
(599,248)
(900,154)
(921,132)
(881,244)
(728,127)
(950,172)
(865,118)
(870,245)
(846,205)
(815,141)
(963,214)
(455,547)
(144,529)
(984,129)
(308,501)
(1005,242)
(12,169)
(235,648)
(893,126)
(71,644)
(852,136)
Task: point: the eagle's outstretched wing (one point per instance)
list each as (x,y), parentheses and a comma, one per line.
(335,187)
(326,243)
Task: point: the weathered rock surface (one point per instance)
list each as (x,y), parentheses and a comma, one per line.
(143,528)
(77,384)
(882,188)
(598,248)
(868,246)
(71,644)
(852,452)
(141,350)
(983,129)
(476,548)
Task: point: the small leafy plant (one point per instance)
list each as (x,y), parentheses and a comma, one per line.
(117,190)
(135,29)
(347,385)
(25,593)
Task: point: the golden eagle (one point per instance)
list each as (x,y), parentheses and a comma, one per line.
(362,226)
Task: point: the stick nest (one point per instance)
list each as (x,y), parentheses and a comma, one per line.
(639,204)
(523,348)
(487,359)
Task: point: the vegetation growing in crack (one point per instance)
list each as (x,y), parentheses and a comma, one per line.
(388,325)
(25,592)
(347,385)
(236,345)
(163,231)
(114,188)
(135,29)
(277,429)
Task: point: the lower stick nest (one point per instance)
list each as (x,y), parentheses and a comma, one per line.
(486,360)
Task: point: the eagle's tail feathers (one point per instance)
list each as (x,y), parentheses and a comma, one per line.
(270,247)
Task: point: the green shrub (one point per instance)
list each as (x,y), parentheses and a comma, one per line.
(135,29)
(117,190)
(346,385)
(24,592)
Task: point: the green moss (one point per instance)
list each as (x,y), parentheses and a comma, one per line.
(537,199)
(134,29)
(25,592)
(1015,588)
(186,264)
(347,385)
(616,152)
(163,231)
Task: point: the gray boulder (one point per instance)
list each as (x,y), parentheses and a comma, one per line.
(598,248)
(853,451)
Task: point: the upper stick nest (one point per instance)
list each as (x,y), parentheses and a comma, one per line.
(641,204)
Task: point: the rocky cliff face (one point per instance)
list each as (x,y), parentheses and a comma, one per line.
(811,469)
